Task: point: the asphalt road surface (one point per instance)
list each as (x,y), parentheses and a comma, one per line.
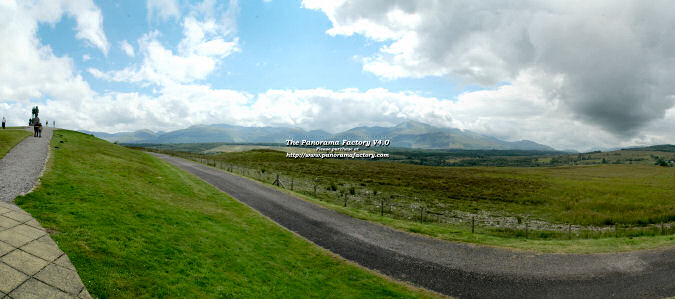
(455,269)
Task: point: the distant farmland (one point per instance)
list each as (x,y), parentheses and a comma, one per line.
(596,188)
(601,194)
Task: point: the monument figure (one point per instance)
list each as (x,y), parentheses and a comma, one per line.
(34,120)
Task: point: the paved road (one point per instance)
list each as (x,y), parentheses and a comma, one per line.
(456,269)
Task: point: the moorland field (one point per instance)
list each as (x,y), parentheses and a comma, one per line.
(602,201)
(600,194)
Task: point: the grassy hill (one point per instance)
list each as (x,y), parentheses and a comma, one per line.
(660,148)
(10,138)
(135,226)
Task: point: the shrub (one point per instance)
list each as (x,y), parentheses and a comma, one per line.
(661,162)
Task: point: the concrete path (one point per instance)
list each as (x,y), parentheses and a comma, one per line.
(31,263)
(23,165)
(455,269)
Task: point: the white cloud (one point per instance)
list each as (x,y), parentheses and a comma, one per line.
(29,69)
(87,15)
(506,112)
(616,62)
(207,39)
(533,105)
(163,9)
(162,66)
(86,57)
(127,48)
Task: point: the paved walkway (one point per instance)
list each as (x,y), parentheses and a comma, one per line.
(456,269)
(23,165)
(31,263)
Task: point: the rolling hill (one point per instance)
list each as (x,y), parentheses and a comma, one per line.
(409,134)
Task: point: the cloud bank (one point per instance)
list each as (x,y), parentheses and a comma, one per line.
(573,76)
(612,60)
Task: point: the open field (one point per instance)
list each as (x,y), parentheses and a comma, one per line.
(135,226)
(10,138)
(516,158)
(230,148)
(588,195)
(546,242)
(461,158)
(219,147)
(491,228)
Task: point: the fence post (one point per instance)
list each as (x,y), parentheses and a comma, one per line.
(422,215)
(345,199)
(291,184)
(616,230)
(663,232)
(277,182)
(569,231)
(473,222)
(526,229)
(382,206)
(630,230)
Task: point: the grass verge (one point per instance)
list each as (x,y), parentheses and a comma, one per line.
(9,139)
(135,226)
(463,234)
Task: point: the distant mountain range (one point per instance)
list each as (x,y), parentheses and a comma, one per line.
(658,148)
(409,134)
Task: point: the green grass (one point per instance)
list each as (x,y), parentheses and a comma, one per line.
(483,236)
(10,138)
(538,241)
(135,226)
(583,195)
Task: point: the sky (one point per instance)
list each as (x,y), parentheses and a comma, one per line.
(580,75)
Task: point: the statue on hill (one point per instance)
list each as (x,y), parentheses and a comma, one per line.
(34,116)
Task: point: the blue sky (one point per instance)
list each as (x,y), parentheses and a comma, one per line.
(283,46)
(573,77)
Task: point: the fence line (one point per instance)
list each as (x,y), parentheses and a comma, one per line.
(386,204)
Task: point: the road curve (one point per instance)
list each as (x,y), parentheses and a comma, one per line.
(455,269)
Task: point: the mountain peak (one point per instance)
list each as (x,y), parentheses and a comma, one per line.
(408,134)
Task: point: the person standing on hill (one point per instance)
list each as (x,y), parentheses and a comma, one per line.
(3,122)
(39,126)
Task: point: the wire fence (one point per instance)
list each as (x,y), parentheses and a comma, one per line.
(397,206)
